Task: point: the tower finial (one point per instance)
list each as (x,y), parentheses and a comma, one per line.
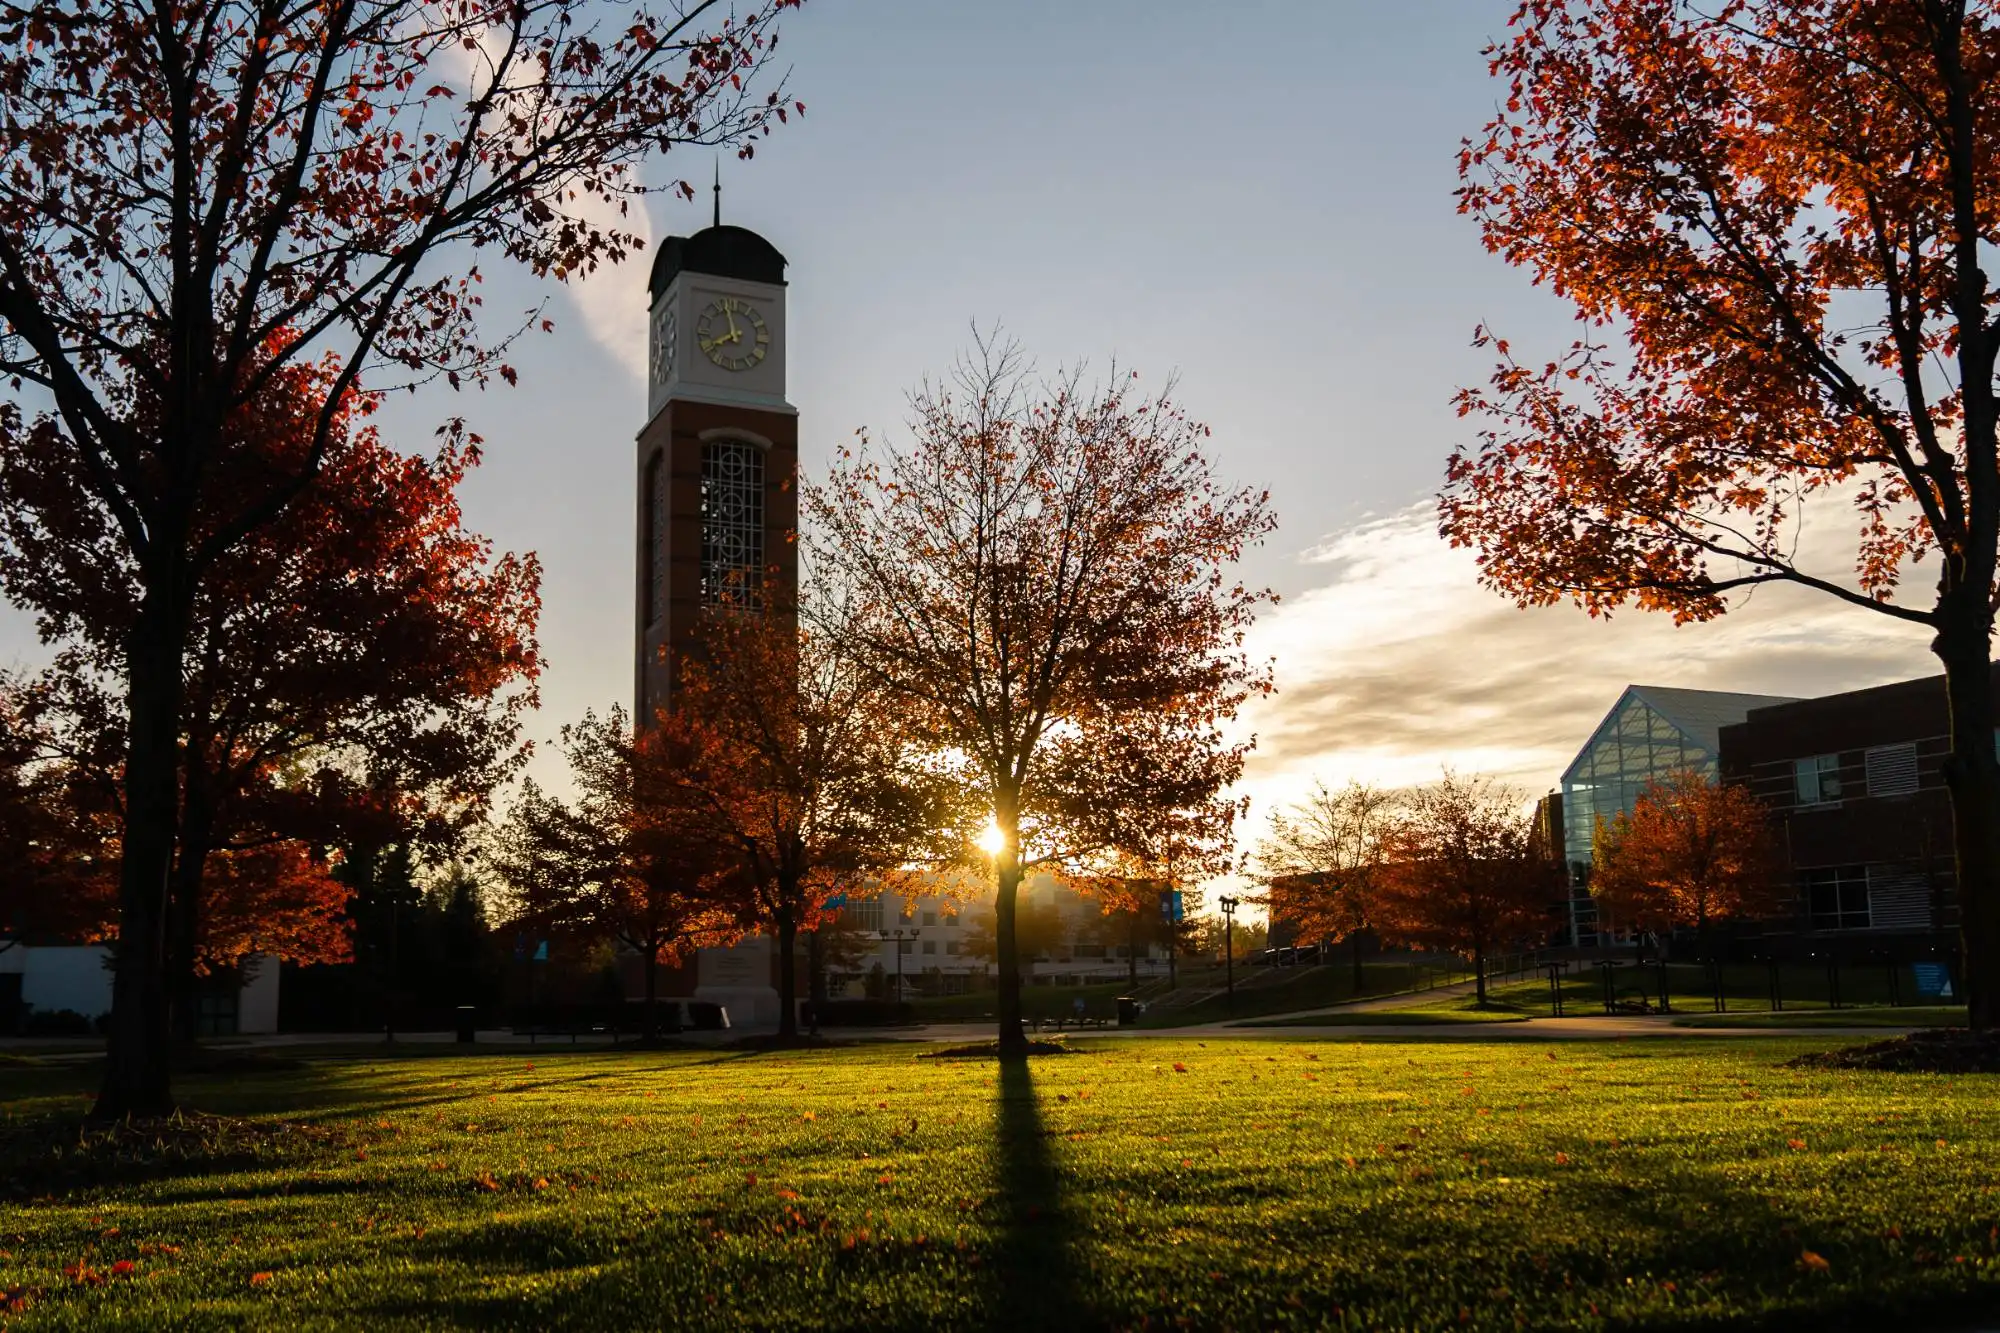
(718,191)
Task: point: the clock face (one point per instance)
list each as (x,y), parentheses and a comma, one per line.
(732,333)
(663,342)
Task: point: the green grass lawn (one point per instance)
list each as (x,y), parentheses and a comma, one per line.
(1281,990)
(1246,1184)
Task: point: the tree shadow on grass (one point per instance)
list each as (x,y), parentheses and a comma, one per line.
(1036,1282)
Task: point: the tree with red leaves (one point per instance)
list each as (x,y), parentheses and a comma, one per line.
(1691,852)
(56,842)
(622,861)
(1044,587)
(197,199)
(373,653)
(783,749)
(1778,209)
(1464,871)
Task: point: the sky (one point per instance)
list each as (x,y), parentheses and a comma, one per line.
(1255,197)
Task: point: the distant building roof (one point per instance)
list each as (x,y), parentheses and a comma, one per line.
(1702,714)
(1697,715)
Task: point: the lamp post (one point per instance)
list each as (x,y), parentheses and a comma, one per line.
(898,935)
(1229,946)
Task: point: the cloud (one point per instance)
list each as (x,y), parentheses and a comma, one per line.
(612,300)
(1399,663)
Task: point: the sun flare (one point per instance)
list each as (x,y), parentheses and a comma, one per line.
(991,840)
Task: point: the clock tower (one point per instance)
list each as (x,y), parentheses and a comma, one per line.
(719,453)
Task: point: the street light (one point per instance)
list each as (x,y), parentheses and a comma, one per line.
(898,935)
(1229,946)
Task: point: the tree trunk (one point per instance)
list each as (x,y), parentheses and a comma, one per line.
(1354,953)
(1972,773)
(184,917)
(652,991)
(788,979)
(816,974)
(137,1074)
(1007,949)
(1132,954)
(1479,970)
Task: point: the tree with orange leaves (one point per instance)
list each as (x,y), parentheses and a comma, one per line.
(1321,860)
(1043,576)
(376,653)
(782,750)
(199,198)
(1777,209)
(1464,870)
(621,861)
(1691,852)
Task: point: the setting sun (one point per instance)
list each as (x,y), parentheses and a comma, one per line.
(991,839)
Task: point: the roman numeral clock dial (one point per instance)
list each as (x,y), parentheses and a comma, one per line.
(732,333)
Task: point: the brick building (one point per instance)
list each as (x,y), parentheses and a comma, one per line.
(1856,789)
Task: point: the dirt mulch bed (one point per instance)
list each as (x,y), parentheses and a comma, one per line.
(990,1050)
(57,1154)
(1934,1051)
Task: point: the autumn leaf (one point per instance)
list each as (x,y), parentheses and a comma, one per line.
(259,1279)
(1180,1068)
(1812,1262)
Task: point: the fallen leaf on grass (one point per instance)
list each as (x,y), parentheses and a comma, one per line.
(1813,1263)
(259,1279)
(1179,1068)
(483,1181)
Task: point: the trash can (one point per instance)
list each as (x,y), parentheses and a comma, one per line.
(1128,1010)
(465,1020)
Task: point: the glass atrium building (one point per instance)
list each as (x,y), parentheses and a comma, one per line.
(1649,734)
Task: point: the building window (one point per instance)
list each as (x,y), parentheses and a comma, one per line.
(930,946)
(1817,779)
(656,538)
(732,523)
(1838,898)
(865,914)
(1892,770)
(1899,898)
(930,917)
(951,946)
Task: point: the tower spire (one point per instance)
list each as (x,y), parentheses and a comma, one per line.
(718,191)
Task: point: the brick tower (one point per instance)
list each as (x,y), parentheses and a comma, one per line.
(719,452)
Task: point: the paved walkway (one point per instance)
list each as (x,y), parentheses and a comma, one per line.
(1598,1027)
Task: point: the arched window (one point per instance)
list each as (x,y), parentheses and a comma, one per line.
(656,538)
(732,523)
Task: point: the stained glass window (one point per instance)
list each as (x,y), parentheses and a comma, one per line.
(732,523)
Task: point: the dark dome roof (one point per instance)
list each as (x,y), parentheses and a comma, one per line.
(722,252)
